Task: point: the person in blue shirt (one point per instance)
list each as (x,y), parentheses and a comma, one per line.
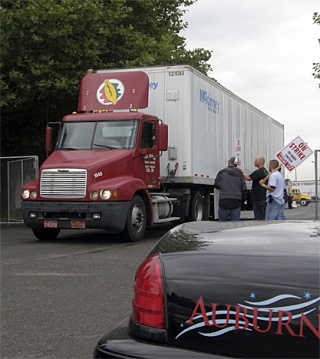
(275,191)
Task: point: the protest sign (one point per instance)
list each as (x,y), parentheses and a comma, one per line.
(292,155)
(239,150)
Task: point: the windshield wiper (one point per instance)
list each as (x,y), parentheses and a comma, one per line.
(105,146)
(68,148)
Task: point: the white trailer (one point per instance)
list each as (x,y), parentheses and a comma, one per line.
(205,122)
(207,125)
(308,187)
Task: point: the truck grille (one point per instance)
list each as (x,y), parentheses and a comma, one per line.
(63,183)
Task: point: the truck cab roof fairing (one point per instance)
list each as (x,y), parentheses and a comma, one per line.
(114,91)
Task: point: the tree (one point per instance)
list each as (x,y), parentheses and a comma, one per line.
(47,46)
(316,65)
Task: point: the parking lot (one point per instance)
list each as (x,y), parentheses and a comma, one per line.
(58,298)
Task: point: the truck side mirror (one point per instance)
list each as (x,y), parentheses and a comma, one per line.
(163,137)
(49,147)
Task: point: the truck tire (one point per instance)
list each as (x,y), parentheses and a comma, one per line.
(304,202)
(136,220)
(47,234)
(196,207)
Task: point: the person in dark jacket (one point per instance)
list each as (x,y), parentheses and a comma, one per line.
(233,191)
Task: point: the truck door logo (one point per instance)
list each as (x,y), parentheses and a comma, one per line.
(110,92)
(150,163)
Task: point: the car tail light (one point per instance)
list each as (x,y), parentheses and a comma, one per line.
(148,303)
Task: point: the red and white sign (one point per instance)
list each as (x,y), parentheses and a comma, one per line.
(294,153)
(239,150)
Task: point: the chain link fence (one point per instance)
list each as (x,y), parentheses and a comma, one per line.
(15,172)
(317,182)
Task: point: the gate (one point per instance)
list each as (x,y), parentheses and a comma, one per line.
(15,172)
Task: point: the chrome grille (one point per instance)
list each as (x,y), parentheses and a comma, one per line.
(63,183)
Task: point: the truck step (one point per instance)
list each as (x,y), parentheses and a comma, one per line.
(170,219)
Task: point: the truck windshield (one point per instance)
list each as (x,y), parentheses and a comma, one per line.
(111,135)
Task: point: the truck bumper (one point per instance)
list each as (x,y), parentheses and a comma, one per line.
(67,215)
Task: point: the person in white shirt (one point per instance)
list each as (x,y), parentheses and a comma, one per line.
(275,190)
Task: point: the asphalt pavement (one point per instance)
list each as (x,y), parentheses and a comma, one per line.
(59,297)
(297,213)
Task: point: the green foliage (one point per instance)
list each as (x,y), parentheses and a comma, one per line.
(44,43)
(316,65)
(47,46)
(316,18)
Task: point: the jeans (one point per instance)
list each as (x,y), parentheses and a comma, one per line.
(282,215)
(259,209)
(275,211)
(229,214)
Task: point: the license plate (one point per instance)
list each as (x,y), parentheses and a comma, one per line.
(78,224)
(50,224)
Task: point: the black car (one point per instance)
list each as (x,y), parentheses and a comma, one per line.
(237,290)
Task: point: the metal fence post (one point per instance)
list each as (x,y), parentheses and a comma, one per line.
(316,171)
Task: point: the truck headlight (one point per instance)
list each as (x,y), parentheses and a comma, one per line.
(105,194)
(25,194)
(94,195)
(33,195)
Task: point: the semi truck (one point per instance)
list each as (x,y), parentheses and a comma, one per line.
(143,148)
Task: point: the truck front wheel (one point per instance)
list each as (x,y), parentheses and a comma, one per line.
(47,234)
(196,207)
(136,221)
(304,202)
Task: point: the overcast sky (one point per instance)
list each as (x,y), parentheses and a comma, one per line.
(263,51)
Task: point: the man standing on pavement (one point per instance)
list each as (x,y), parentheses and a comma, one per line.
(258,193)
(275,191)
(233,191)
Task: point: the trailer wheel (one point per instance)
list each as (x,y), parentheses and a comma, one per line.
(48,234)
(136,221)
(196,207)
(304,202)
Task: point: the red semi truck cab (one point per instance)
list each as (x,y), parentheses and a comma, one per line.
(104,166)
